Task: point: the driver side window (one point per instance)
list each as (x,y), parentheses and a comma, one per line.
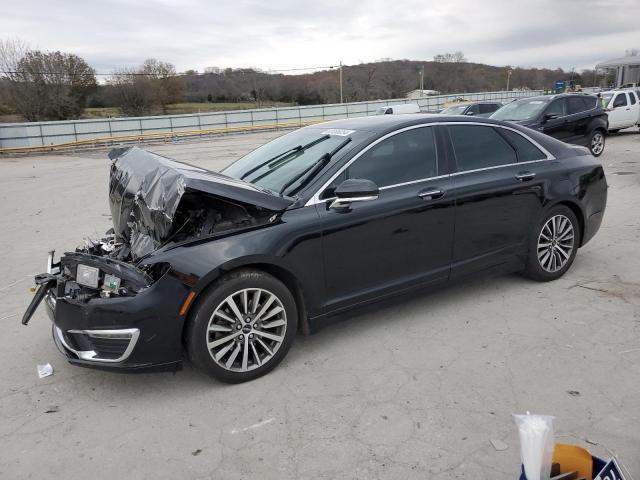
(620,101)
(404,157)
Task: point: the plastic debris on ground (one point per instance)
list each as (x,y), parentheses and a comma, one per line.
(45,370)
(536,444)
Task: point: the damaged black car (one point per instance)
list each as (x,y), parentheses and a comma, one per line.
(225,268)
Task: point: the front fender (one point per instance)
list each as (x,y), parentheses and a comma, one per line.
(292,245)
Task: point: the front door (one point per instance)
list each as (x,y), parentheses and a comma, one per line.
(620,113)
(403,237)
(559,126)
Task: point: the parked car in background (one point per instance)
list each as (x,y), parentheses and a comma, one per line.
(476,109)
(622,107)
(571,117)
(400,108)
(227,267)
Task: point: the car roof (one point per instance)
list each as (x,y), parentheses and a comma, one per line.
(384,123)
(548,98)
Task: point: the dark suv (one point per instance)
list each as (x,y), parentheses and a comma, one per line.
(570,117)
(476,109)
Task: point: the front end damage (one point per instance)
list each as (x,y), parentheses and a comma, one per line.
(111,305)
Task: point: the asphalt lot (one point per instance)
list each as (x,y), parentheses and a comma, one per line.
(412,390)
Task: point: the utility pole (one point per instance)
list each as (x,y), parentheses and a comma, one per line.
(421,80)
(341,81)
(509,72)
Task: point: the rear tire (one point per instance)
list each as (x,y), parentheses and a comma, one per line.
(553,245)
(596,143)
(242,327)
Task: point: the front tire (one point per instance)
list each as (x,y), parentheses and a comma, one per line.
(596,143)
(242,327)
(553,245)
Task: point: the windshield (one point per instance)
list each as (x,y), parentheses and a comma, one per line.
(282,164)
(454,110)
(520,110)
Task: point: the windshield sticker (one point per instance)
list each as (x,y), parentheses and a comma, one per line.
(339,132)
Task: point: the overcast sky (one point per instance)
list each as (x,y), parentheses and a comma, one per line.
(285,34)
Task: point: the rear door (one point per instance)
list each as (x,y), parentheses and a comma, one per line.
(579,118)
(635,106)
(496,196)
(404,236)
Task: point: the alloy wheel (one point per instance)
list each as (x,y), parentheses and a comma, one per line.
(246,329)
(555,243)
(597,143)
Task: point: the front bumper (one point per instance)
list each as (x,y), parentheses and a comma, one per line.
(126,334)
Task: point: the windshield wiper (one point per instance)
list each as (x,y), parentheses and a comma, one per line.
(278,159)
(308,173)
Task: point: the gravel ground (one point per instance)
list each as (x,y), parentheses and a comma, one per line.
(416,389)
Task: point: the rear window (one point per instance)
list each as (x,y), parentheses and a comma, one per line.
(590,102)
(526,151)
(632,98)
(480,147)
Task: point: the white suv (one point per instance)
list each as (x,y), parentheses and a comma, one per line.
(622,107)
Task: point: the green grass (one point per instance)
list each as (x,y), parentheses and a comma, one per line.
(174,109)
(190,107)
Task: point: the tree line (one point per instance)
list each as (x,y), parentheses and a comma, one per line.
(39,85)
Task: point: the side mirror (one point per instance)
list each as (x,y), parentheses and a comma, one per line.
(469,113)
(548,116)
(354,190)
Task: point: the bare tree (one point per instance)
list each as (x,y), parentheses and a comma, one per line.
(456,57)
(167,86)
(45,85)
(131,92)
(141,90)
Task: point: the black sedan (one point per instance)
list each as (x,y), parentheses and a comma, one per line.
(227,267)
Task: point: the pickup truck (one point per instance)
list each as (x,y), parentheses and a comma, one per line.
(622,107)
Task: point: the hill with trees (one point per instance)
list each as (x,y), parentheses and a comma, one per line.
(37,85)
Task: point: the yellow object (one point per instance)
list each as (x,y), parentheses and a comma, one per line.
(573,458)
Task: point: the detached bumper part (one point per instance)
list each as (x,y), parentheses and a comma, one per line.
(108,346)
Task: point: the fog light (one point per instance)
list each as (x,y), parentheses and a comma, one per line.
(87,276)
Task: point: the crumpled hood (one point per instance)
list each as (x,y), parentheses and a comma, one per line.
(145,190)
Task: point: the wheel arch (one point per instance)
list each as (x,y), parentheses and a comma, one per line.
(577,211)
(281,273)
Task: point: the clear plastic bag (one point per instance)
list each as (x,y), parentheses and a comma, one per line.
(536,444)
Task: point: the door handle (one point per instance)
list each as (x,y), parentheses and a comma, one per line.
(525,176)
(431,194)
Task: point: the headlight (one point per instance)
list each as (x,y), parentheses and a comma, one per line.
(87,276)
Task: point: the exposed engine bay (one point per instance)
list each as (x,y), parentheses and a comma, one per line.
(155,202)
